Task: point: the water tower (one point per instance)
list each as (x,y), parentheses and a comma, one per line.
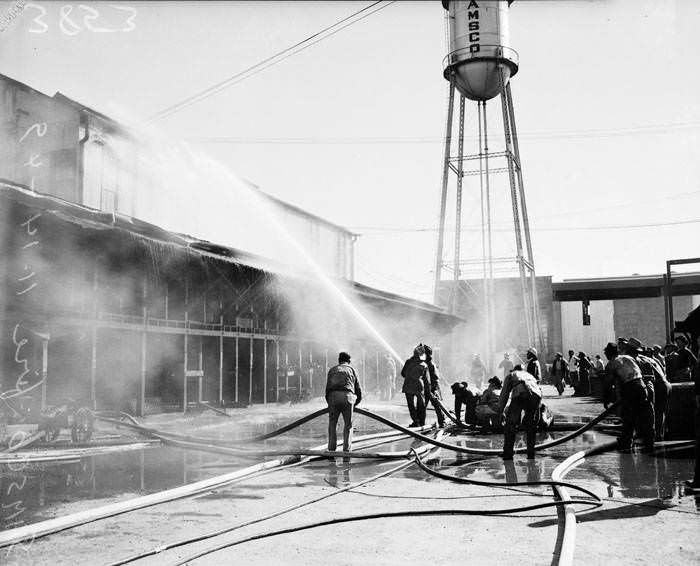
(479,66)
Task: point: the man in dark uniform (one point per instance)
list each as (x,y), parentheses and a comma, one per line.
(465,396)
(342,394)
(560,372)
(525,396)
(415,374)
(533,364)
(623,373)
(434,394)
(635,349)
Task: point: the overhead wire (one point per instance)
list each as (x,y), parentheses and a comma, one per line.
(381,140)
(268,62)
(374,230)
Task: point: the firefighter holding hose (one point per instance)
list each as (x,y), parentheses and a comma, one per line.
(525,396)
(433,395)
(624,375)
(342,394)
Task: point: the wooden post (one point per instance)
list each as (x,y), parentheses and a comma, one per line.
(235,395)
(265,371)
(311,367)
(286,368)
(44,370)
(93,338)
(250,374)
(221,361)
(200,367)
(300,373)
(184,369)
(277,370)
(142,390)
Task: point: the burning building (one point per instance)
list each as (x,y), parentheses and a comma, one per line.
(116,312)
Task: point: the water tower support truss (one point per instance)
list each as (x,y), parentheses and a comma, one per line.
(458,166)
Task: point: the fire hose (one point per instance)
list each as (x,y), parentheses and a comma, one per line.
(238,526)
(37,530)
(488,451)
(563,504)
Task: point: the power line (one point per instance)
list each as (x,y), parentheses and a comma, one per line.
(384,140)
(270,61)
(370,230)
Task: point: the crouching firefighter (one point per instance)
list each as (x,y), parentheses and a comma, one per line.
(525,396)
(465,396)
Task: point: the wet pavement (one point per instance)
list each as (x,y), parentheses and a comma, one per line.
(634,486)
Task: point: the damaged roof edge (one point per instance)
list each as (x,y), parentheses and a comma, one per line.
(99,220)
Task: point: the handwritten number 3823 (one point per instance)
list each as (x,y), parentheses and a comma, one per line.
(67,20)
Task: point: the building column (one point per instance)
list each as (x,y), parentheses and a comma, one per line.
(93,341)
(221,361)
(144,341)
(235,394)
(185,364)
(44,370)
(250,374)
(265,371)
(277,370)
(301,375)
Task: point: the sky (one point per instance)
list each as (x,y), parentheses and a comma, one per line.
(351,129)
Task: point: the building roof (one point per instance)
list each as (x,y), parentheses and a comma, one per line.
(115,125)
(629,287)
(90,218)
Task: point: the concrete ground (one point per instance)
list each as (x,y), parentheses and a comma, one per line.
(646,517)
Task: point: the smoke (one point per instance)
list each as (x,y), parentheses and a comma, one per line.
(83,270)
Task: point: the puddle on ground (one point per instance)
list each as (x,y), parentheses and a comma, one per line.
(41,491)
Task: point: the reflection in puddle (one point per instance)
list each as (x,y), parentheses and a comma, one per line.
(43,491)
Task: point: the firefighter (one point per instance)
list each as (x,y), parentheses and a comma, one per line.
(623,373)
(525,396)
(465,396)
(635,349)
(414,373)
(559,372)
(387,379)
(434,395)
(686,360)
(487,409)
(342,394)
(533,364)
(478,370)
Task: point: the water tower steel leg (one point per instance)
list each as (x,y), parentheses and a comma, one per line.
(443,194)
(516,217)
(458,215)
(482,198)
(489,243)
(526,221)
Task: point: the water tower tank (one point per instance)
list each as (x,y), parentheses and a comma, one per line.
(479,51)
